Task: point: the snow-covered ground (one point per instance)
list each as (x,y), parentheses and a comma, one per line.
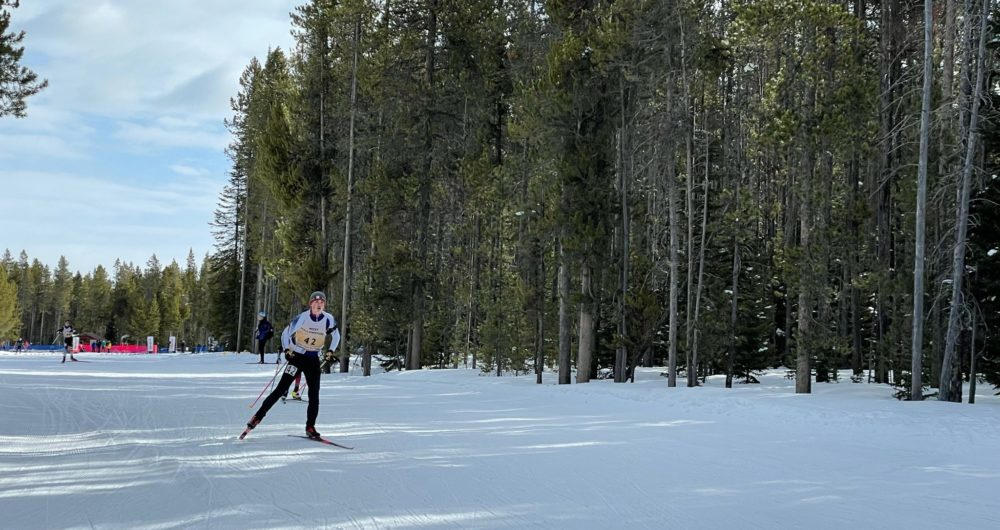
(149,441)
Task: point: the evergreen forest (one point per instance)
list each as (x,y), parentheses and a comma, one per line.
(583,187)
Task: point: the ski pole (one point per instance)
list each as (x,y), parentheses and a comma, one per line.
(268,385)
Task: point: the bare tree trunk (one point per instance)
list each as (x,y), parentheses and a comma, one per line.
(733,313)
(243,270)
(366,361)
(585,351)
(689,199)
(803,370)
(413,361)
(324,257)
(857,355)
(692,369)
(258,305)
(540,316)
(882,187)
(260,299)
(621,356)
(473,288)
(564,355)
(951,383)
(671,183)
(345,356)
(672,208)
(496,267)
(917,351)
(948,52)
(972,362)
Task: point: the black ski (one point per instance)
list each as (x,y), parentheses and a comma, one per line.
(321,440)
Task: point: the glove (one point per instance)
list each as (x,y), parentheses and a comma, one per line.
(289,354)
(330,355)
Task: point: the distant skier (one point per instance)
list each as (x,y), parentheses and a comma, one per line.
(302,341)
(264,332)
(67,332)
(18,345)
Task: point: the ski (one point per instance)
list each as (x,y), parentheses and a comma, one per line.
(321,440)
(300,400)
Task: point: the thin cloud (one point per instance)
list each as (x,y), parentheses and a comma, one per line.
(124,57)
(161,134)
(123,155)
(94,221)
(189,171)
(115,196)
(48,145)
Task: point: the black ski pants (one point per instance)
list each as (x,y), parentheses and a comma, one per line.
(261,347)
(309,366)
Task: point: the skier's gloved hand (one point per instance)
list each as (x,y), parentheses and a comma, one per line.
(289,354)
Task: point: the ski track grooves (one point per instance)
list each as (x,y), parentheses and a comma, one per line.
(149,442)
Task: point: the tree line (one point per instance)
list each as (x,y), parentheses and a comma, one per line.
(715,187)
(124,305)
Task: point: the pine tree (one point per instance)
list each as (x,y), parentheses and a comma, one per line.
(583,115)
(10,314)
(99,301)
(17,83)
(193,304)
(41,323)
(62,290)
(170,299)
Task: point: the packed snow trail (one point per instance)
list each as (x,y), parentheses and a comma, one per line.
(149,442)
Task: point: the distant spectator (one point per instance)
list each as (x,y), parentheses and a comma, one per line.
(263,333)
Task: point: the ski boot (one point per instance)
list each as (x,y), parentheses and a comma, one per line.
(254,421)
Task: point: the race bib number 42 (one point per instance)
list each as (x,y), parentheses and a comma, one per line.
(310,339)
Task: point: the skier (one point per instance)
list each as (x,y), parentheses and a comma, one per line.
(264,332)
(19,345)
(302,340)
(67,333)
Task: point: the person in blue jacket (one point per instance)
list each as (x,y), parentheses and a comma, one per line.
(302,341)
(263,333)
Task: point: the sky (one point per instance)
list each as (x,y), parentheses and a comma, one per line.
(122,156)
(149,442)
